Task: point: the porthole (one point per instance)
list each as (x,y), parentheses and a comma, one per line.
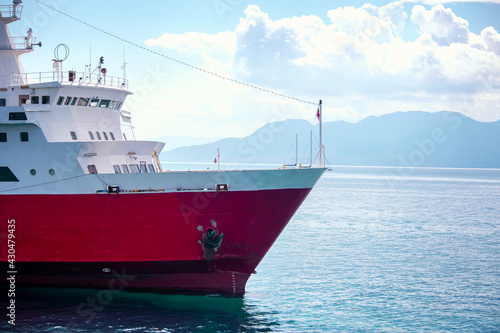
(52,172)
(33,172)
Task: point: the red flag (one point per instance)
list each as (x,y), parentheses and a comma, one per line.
(317,114)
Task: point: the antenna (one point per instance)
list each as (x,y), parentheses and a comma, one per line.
(311,150)
(296,149)
(61,53)
(320,133)
(218,159)
(124,67)
(90,62)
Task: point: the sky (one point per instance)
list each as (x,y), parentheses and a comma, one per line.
(360,58)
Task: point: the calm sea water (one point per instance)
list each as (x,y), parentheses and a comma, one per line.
(370,250)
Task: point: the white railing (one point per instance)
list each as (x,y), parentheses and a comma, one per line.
(11,11)
(70,77)
(22,43)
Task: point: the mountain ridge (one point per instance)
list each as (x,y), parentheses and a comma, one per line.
(414,138)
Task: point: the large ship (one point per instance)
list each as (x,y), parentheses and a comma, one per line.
(85,204)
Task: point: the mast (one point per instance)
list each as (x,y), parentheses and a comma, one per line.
(124,67)
(320,111)
(296,149)
(12,47)
(218,159)
(90,63)
(311,150)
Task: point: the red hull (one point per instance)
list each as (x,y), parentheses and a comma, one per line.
(158,238)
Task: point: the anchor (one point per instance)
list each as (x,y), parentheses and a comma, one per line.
(212,240)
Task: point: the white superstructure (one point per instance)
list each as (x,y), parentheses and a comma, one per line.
(50,121)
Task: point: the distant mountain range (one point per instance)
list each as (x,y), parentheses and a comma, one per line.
(173,142)
(440,139)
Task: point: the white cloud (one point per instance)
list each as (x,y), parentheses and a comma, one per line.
(265,48)
(381,24)
(437,2)
(441,24)
(492,39)
(358,62)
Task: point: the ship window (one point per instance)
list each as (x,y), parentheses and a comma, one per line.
(60,100)
(73,135)
(151,168)
(82,101)
(23,99)
(35,99)
(68,100)
(134,168)
(45,99)
(112,104)
(112,136)
(6,175)
(94,102)
(3,137)
(33,172)
(3,102)
(74,100)
(105,135)
(98,135)
(91,135)
(104,103)
(24,136)
(125,168)
(92,169)
(117,169)
(17,116)
(143,167)
(119,105)
(124,136)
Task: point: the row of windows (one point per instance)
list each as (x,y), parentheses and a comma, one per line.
(23,136)
(78,101)
(51,172)
(92,102)
(127,168)
(134,168)
(97,135)
(34,100)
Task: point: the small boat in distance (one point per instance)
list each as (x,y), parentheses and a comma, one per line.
(299,165)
